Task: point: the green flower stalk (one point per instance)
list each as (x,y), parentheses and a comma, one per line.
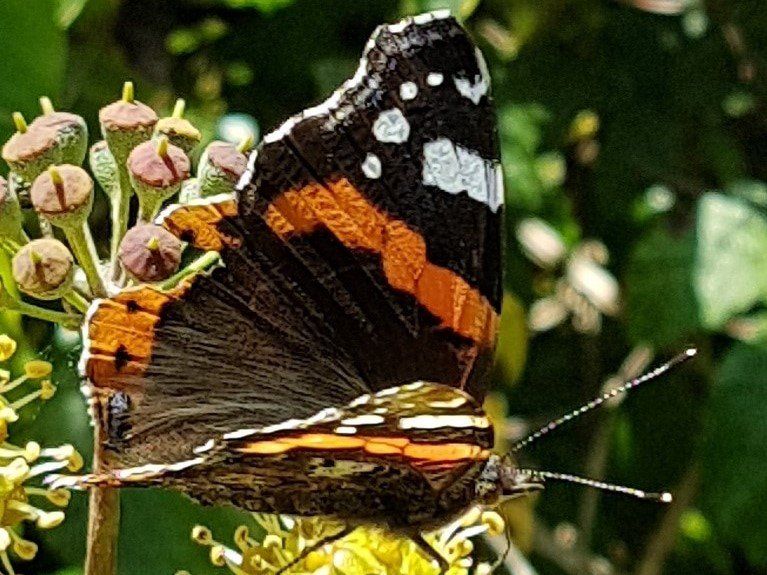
(221,166)
(157,169)
(64,196)
(11,302)
(11,218)
(104,169)
(180,131)
(125,124)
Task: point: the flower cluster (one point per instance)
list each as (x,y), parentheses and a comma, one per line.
(142,156)
(365,550)
(21,465)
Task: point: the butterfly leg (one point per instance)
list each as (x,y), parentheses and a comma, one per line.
(347,530)
(430,552)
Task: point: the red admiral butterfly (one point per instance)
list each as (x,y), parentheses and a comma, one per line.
(335,364)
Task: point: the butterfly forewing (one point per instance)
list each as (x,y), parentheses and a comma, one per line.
(361,252)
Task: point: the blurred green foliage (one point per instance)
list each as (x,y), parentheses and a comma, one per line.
(640,123)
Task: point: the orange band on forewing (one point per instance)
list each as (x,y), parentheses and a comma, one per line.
(120,333)
(358,224)
(198,224)
(396,446)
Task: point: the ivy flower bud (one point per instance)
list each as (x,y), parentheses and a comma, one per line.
(71,133)
(64,195)
(44,269)
(126,123)
(180,131)
(150,253)
(157,170)
(221,166)
(31,149)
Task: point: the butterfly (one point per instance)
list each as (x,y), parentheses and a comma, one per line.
(335,364)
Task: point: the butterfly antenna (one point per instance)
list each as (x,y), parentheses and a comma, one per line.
(660,497)
(594,403)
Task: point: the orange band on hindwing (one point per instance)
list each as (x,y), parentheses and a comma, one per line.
(394,446)
(358,224)
(197,222)
(120,333)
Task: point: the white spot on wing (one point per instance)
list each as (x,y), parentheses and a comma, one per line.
(368,419)
(434,79)
(408,90)
(454,169)
(473,91)
(457,401)
(391,126)
(345,430)
(361,400)
(437,421)
(207,446)
(371,167)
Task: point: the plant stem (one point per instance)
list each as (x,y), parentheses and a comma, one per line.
(202,262)
(147,209)
(120,215)
(68,320)
(77,301)
(81,241)
(103,519)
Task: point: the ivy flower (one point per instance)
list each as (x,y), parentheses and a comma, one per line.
(20,466)
(366,550)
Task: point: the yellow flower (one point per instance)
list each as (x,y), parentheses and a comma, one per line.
(365,550)
(20,467)
(7,347)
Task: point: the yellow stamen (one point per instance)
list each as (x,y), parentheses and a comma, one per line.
(37,368)
(246,144)
(47,389)
(128,93)
(7,347)
(162,146)
(20,123)
(202,535)
(55,176)
(178,109)
(46,106)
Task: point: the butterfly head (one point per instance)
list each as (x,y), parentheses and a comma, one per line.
(502,479)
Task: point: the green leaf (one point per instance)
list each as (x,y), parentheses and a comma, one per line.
(735,451)
(661,264)
(731,258)
(33,49)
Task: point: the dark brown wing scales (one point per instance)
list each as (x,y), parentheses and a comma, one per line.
(361,252)
(406,456)
(389,192)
